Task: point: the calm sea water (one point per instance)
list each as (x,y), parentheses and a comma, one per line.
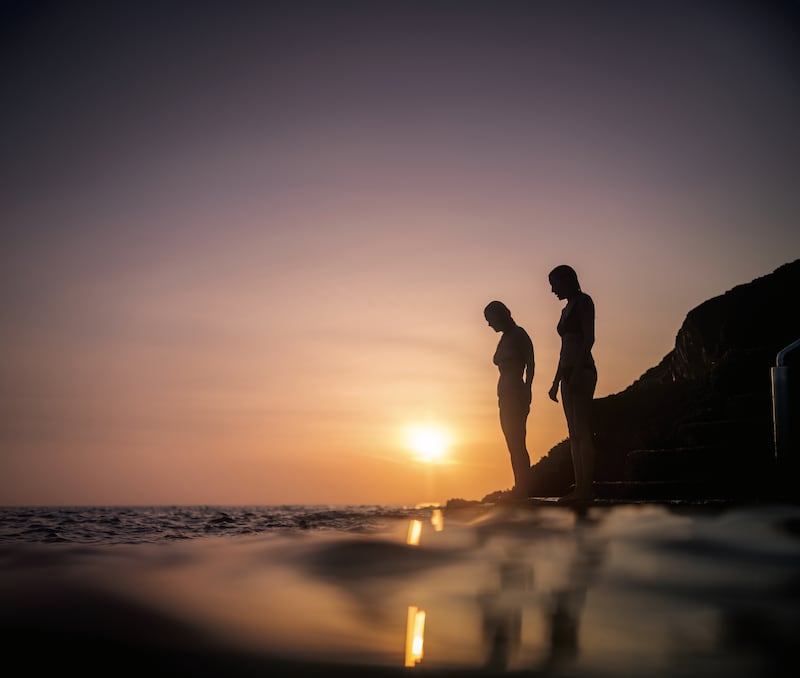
(646,590)
(150,524)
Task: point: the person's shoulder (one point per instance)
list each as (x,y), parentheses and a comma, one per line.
(586,300)
(522,333)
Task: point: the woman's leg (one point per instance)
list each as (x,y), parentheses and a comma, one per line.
(568,402)
(583,444)
(578,399)
(513,419)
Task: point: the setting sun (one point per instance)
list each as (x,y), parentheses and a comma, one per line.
(428,442)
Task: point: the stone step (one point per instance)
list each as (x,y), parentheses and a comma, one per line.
(717,463)
(750,432)
(664,490)
(708,493)
(693,464)
(750,405)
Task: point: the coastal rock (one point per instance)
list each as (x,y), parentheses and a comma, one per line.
(704,412)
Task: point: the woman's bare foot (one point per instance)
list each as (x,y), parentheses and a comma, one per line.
(583,495)
(577,495)
(569,496)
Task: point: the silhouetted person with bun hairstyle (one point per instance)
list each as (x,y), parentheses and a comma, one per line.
(576,375)
(514,360)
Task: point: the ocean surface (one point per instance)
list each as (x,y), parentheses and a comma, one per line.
(152,524)
(544,590)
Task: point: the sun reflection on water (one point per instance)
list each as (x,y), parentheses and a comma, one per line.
(415,631)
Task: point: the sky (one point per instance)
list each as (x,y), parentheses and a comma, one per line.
(247,245)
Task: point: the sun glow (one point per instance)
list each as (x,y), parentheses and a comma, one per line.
(428,442)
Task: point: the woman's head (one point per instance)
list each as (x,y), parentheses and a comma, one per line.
(564,281)
(497,315)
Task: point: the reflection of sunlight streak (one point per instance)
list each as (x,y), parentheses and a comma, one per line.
(415,630)
(414,532)
(415,527)
(437,520)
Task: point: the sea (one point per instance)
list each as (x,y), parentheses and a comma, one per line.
(609,590)
(152,524)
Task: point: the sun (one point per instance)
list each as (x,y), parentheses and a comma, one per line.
(429,442)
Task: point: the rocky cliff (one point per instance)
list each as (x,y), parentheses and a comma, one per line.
(704,413)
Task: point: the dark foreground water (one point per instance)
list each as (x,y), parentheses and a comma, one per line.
(628,590)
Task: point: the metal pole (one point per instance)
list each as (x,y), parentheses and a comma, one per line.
(786,410)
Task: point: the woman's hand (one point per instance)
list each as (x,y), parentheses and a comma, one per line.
(553,392)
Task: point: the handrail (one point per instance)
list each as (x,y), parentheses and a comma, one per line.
(780,361)
(785,424)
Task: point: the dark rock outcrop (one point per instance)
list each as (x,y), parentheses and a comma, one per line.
(702,416)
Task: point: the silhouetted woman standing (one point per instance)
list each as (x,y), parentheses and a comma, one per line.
(576,375)
(514,360)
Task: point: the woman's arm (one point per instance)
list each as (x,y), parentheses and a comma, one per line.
(553,392)
(586,317)
(530,363)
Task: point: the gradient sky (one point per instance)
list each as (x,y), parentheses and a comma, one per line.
(246,244)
